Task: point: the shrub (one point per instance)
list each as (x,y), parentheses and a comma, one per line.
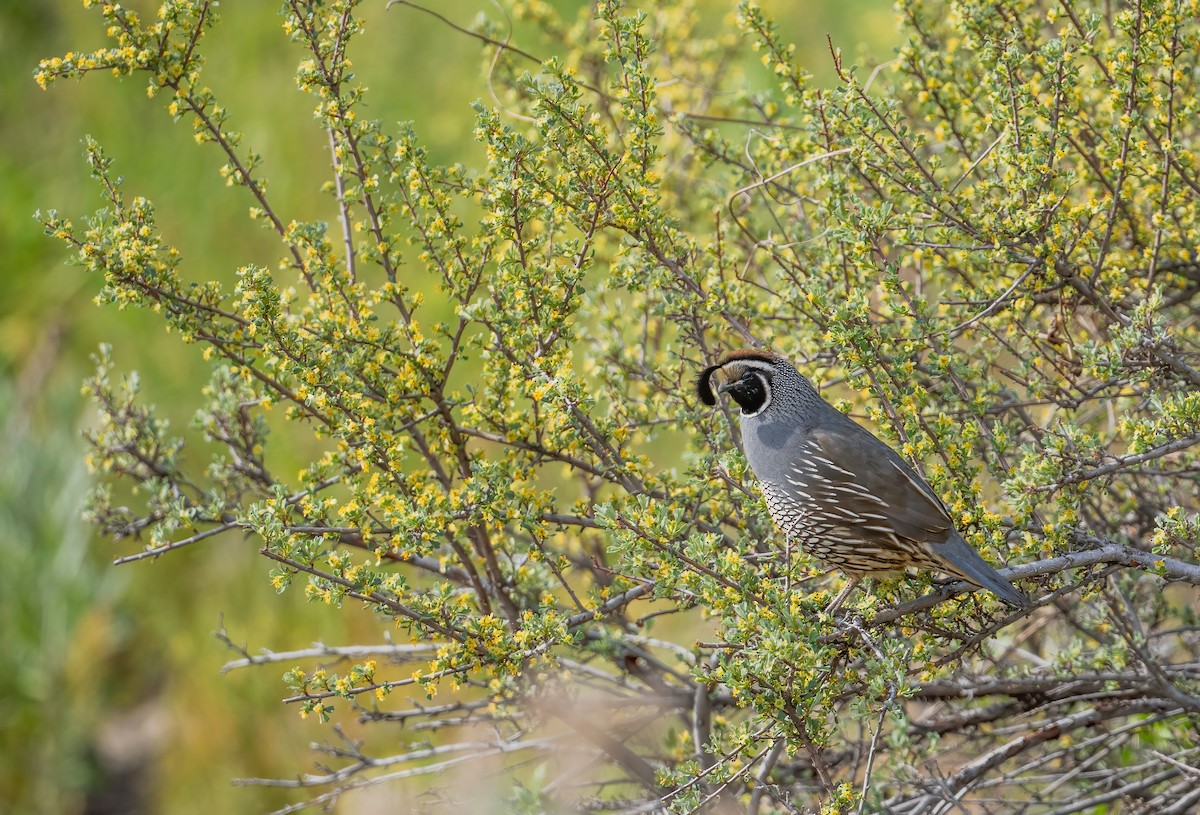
(985,247)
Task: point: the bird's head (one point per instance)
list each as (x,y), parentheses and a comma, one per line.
(748,377)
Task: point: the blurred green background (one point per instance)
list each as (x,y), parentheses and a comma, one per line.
(111,700)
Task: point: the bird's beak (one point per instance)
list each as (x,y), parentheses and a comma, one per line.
(720,381)
(726,377)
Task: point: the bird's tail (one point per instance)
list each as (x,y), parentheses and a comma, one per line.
(965,562)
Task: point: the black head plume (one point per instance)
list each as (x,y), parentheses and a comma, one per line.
(704,385)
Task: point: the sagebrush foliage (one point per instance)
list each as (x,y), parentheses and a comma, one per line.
(987,246)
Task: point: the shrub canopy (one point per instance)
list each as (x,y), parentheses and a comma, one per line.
(986,248)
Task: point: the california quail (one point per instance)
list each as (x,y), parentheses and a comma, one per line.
(842,494)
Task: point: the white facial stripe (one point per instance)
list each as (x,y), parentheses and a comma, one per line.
(750,364)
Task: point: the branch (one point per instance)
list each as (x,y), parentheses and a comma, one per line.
(955,785)
(394,650)
(1119,554)
(610,606)
(1121,462)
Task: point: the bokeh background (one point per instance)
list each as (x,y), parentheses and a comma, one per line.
(111,694)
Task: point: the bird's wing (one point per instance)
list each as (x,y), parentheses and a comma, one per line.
(854,481)
(870,486)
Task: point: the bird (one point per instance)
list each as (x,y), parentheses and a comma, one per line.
(845,496)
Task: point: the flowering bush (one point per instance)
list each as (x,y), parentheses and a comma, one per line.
(985,247)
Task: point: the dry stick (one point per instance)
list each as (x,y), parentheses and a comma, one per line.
(866,638)
(743,770)
(953,333)
(1129,627)
(764,772)
(343,207)
(225,527)
(1188,769)
(1120,462)
(1122,793)
(158,550)
(479,749)
(702,718)
(426,711)
(965,778)
(862,794)
(393,650)
(611,605)
(744,191)
(700,776)
(1106,740)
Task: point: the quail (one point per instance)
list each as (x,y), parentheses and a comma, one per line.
(833,487)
